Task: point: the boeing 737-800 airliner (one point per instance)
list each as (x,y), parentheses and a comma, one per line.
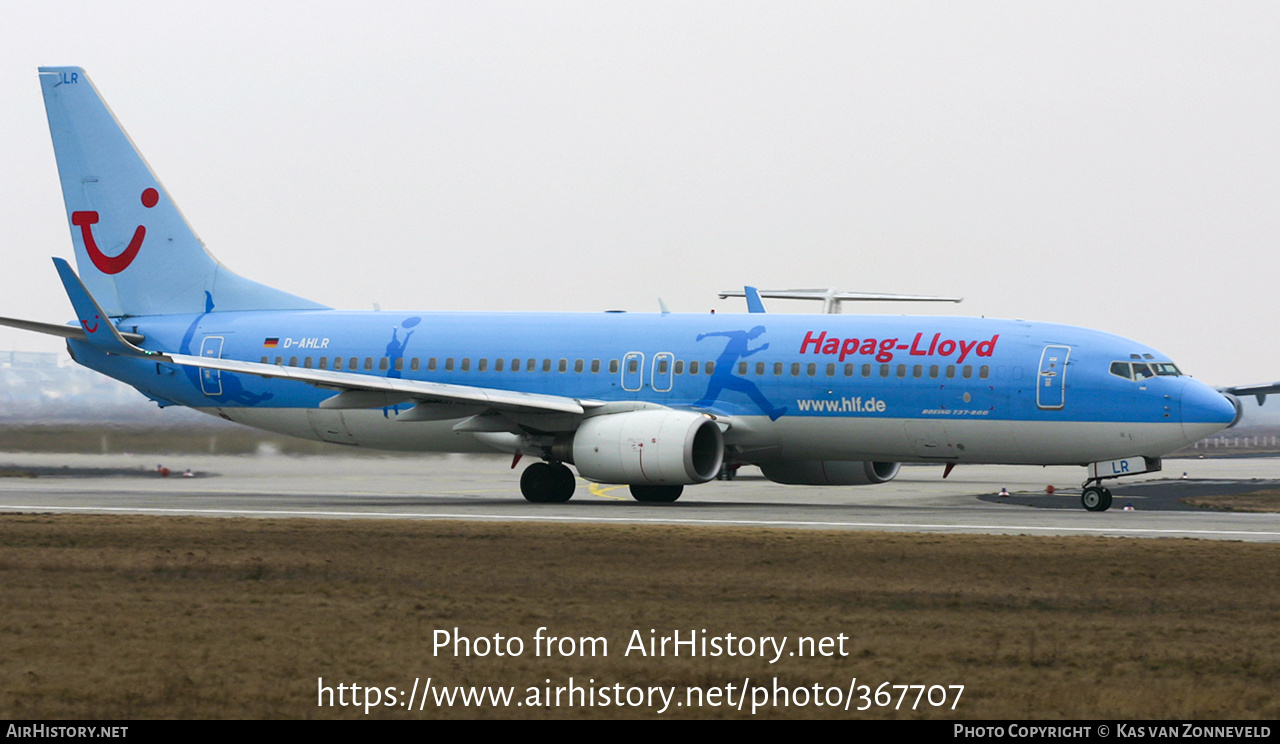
(654,401)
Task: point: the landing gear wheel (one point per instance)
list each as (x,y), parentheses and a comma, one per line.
(547,483)
(656,494)
(1096,498)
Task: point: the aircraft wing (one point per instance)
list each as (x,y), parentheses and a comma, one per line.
(1258,391)
(830,298)
(405,390)
(99,331)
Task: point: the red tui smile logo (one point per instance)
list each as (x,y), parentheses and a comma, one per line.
(113,264)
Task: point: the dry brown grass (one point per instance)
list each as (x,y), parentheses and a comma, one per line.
(1256,501)
(117,617)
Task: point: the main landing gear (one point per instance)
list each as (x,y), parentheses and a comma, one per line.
(547,483)
(656,494)
(554,483)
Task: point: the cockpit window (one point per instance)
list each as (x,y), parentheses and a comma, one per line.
(1144,370)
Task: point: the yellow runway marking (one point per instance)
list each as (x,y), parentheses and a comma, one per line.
(603,492)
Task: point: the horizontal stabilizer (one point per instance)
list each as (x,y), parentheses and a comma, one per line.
(65,331)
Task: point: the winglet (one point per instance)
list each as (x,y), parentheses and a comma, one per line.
(98,328)
(754,304)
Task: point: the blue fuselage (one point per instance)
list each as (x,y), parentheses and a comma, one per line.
(812,386)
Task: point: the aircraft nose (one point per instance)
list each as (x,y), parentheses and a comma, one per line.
(1205,411)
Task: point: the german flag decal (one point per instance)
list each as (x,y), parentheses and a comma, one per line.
(271,343)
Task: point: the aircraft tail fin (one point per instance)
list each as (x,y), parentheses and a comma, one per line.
(136,253)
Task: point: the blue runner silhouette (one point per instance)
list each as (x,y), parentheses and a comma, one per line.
(722,377)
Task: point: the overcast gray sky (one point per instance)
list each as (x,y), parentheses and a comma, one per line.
(1111,165)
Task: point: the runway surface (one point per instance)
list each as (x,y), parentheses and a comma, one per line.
(485,488)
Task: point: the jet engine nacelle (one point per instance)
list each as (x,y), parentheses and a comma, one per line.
(829,472)
(1239,409)
(656,446)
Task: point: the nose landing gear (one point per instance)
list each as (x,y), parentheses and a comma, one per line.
(1096,498)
